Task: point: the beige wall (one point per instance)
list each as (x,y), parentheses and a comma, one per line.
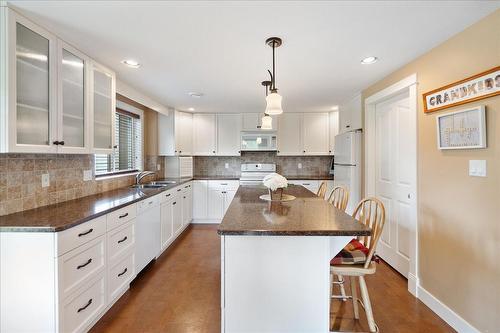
(459,216)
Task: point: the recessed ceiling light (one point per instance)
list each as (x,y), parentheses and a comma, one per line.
(191,109)
(131,63)
(195,94)
(369,60)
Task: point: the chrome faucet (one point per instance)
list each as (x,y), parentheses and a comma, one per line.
(141,175)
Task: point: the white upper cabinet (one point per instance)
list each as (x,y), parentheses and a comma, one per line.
(228,134)
(29,66)
(350,115)
(334,130)
(253,122)
(315,133)
(204,134)
(290,134)
(73,101)
(175,134)
(58,101)
(103,103)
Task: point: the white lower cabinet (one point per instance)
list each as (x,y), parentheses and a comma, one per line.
(70,278)
(218,194)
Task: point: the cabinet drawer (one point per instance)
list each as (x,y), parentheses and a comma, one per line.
(72,238)
(80,265)
(224,184)
(80,310)
(121,216)
(148,203)
(120,275)
(167,195)
(120,241)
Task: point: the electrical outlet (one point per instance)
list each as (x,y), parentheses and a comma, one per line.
(299,166)
(87,175)
(477,168)
(226,165)
(158,167)
(45,180)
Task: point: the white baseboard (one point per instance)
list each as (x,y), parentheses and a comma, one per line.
(203,221)
(448,315)
(413,284)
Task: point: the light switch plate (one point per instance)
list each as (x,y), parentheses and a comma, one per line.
(45,180)
(477,168)
(299,165)
(158,167)
(87,175)
(226,165)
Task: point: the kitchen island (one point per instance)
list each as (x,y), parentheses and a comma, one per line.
(275,260)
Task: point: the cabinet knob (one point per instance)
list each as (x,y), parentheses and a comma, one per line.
(303,151)
(61,143)
(115,146)
(55,142)
(213,151)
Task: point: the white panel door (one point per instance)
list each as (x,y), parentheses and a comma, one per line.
(200,199)
(395,181)
(167,231)
(228,134)
(215,204)
(290,134)
(250,122)
(204,134)
(177,214)
(315,133)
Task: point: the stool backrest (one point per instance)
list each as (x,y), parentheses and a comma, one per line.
(322,190)
(339,197)
(370,212)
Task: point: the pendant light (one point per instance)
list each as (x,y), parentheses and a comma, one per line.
(267,121)
(273,99)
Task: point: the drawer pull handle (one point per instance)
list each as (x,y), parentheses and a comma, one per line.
(86,306)
(173,203)
(186,186)
(83,265)
(122,216)
(167,195)
(124,271)
(306,184)
(184,197)
(85,233)
(223,183)
(122,240)
(178,190)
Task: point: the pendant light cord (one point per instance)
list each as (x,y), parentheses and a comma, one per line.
(274,73)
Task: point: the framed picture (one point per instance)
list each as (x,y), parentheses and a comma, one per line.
(464,129)
(474,88)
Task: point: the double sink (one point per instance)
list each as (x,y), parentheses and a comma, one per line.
(155,184)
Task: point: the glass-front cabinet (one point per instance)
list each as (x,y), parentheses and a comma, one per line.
(54,98)
(30,66)
(73,120)
(103,104)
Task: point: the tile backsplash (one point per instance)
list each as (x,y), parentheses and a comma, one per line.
(286,165)
(21,179)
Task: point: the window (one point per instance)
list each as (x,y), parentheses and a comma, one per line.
(127,156)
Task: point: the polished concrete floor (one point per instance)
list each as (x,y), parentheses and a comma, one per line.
(180,292)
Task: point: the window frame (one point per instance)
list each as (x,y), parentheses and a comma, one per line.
(125,108)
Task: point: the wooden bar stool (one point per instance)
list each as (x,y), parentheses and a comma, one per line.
(322,190)
(356,259)
(339,197)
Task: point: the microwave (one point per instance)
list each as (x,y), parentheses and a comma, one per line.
(258,141)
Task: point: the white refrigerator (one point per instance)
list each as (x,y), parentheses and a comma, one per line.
(347,165)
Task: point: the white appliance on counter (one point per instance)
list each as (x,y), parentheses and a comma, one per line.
(178,166)
(254,173)
(258,141)
(348,165)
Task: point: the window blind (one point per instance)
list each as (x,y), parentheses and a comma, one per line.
(127,156)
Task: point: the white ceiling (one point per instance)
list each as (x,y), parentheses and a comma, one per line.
(218,48)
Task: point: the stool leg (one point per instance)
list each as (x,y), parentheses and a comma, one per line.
(366,302)
(354,292)
(342,288)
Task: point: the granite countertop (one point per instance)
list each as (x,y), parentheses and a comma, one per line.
(307,215)
(70,213)
(325,177)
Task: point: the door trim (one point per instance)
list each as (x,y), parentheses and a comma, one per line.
(409,85)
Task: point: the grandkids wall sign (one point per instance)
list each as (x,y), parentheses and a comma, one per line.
(482,85)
